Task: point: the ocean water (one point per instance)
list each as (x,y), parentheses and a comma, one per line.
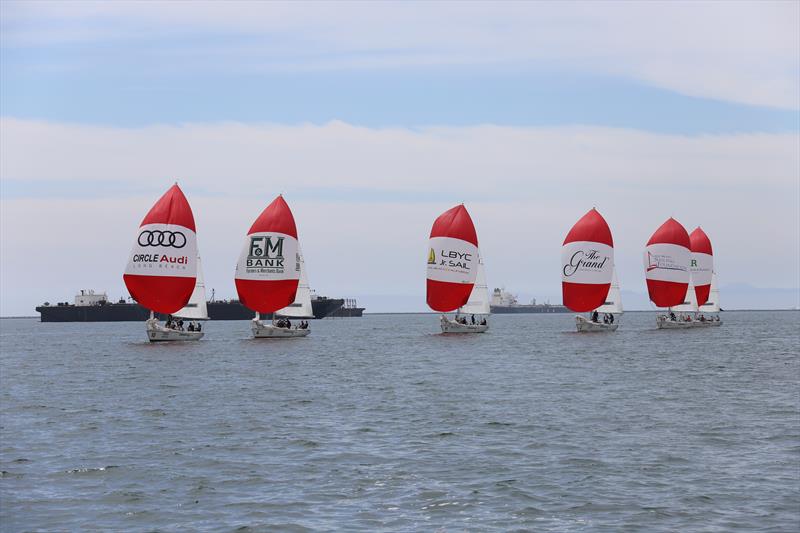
(381,424)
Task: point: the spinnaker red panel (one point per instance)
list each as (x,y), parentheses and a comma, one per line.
(452,260)
(268,272)
(587,263)
(667,264)
(702,264)
(162,266)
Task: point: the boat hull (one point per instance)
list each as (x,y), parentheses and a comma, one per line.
(268,331)
(132,312)
(664,322)
(451,326)
(158,333)
(587,326)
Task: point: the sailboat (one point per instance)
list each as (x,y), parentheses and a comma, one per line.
(453,268)
(196,309)
(162,267)
(477,306)
(666,262)
(588,277)
(268,271)
(704,278)
(301,307)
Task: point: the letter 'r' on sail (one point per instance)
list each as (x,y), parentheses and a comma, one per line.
(452,260)
(702,264)
(162,267)
(268,272)
(587,263)
(666,262)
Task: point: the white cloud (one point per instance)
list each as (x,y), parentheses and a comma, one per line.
(364,199)
(736,51)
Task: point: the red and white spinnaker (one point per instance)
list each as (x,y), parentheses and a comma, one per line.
(162,266)
(268,271)
(667,264)
(702,264)
(587,263)
(452,260)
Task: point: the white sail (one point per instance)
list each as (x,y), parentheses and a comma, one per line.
(478,303)
(301,307)
(712,304)
(689,304)
(196,308)
(613,303)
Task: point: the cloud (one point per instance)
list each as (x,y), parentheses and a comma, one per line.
(364,199)
(743,52)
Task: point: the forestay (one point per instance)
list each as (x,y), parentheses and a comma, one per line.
(689,304)
(196,308)
(301,307)
(613,303)
(712,304)
(478,302)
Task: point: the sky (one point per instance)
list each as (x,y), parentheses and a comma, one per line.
(373,118)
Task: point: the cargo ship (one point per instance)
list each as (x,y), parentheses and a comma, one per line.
(349,309)
(505,303)
(90,306)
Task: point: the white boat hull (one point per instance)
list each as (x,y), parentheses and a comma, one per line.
(585,325)
(268,331)
(158,333)
(451,326)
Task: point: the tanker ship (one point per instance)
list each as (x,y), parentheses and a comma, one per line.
(90,306)
(504,302)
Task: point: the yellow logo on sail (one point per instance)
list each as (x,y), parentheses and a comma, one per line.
(431,258)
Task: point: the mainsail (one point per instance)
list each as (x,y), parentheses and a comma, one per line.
(478,302)
(613,303)
(666,262)
(712,304)
(301,307)
(196,308)
(689,304)
(162,266)
(587,263)
(702,264)
(452,260)
(268,272)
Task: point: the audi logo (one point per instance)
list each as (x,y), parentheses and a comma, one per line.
(175,239)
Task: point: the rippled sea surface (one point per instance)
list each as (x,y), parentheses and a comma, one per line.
(381,423)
